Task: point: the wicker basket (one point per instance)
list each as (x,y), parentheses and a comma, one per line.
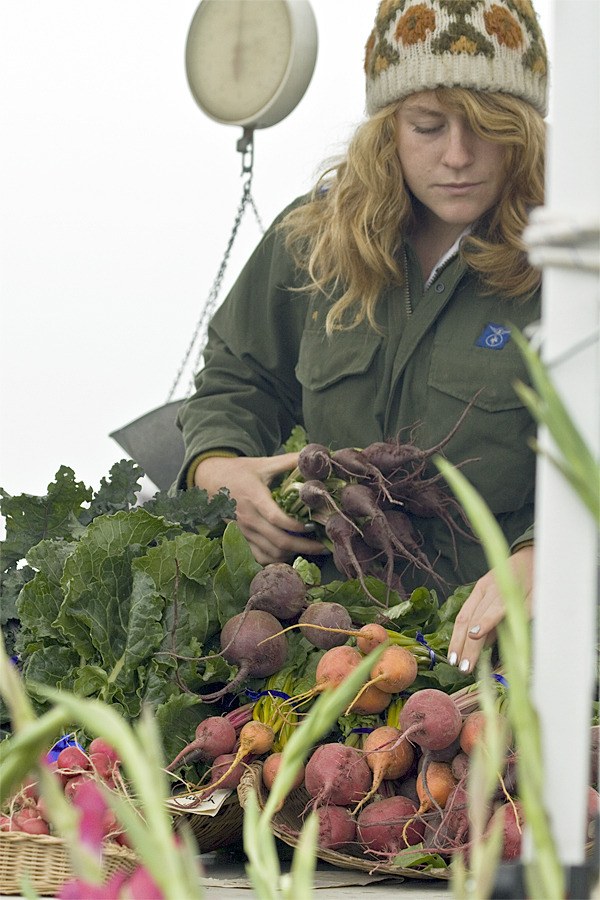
(44,860)
(215,832)
(288,821)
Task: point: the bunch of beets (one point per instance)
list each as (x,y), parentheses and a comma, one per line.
(367,502)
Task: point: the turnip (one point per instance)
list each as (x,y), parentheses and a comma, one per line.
(370,702)
(395,671)
(454,828)
(460,766)
(337,827)
(341,533)
(326,615)
(370,636)
(381,826)
(314,462)
(271,767)
(221,771)
(240,639)
(386,757)
(511,816)
(214,736)
(431,719)
(391,457)
(338,774)
(353,463)
(256,739)
(318,499)
(279,590)
(435,783)
(359,501)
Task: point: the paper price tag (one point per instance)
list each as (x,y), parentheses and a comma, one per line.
(193,805)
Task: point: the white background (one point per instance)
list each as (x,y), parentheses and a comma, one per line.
(117,197)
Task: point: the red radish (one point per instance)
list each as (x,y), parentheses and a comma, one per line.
(326,615)
(240,639)
(256,739)
(104,759)
(389,826)
(74,784)
(337,827)
(72,761)
(435,783)
(385,763)
(431,719)
(214,736)
(314,462)
(336,774)
(5,823)
(278,589)
(30,821)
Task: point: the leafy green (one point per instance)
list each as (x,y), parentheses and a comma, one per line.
(30,519)
(117,601)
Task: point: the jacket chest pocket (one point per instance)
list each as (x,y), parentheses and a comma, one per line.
(496,431)
(339,378)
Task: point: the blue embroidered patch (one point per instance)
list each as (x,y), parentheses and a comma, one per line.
(493,337)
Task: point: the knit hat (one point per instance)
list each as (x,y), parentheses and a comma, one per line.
(418,45)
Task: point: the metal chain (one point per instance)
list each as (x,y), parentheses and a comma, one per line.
(246,147)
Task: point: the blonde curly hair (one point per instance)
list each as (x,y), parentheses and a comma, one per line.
(347,237)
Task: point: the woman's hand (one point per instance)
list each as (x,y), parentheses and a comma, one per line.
(475,625)
(262,522)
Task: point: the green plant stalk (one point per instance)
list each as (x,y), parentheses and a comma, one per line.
(134,746)
(299,884)
(259,842)
(263,862)
(578,464)
(545,874)
(486,762)
(22,751)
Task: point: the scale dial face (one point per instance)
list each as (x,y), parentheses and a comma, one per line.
(240,55)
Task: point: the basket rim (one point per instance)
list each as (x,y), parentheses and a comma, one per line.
(51,840)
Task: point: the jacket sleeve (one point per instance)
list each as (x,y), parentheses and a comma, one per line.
(247,396)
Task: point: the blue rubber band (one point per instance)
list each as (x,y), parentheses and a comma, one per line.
(421,640)
(65,741)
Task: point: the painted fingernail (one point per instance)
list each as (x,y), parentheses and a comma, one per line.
(475,629)
(452,658)
(464,666)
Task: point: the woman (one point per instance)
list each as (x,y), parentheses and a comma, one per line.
(382,304)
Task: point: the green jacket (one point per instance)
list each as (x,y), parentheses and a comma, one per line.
(269,366)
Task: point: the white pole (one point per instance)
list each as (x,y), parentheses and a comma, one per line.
(566,556)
